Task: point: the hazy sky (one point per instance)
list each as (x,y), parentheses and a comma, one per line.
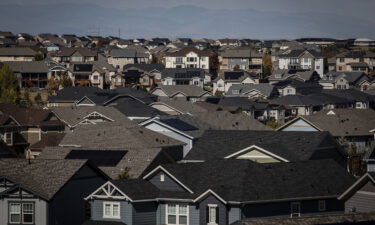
(362,11)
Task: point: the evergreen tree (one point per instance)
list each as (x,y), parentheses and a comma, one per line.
(65,81)
(25,101)
(9,89)
(38,99)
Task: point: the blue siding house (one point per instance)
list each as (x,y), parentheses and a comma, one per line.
(221,193)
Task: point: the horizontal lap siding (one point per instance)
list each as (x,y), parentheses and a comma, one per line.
(144,213)
(361,203)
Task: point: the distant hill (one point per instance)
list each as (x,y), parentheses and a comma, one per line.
(181,21)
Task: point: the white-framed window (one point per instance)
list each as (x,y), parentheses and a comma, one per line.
(235,92)
(95,77)
(111,210)
(21,213)
(177,214)
(8,138)
(212,214)
(322,205)
(119,80)
(295,209)
(162,177)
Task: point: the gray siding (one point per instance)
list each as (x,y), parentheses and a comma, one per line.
(160,214)
(40,205)
(234,214)
(144,213)
(70,199)
(363,200)
(282,209)
(126,211)
(168,184)
(193,215)
(223,214)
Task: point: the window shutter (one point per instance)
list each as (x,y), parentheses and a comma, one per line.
(207,214)
(217,215)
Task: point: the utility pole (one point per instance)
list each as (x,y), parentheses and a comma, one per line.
(119,32)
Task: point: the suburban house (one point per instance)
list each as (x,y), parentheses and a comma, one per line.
(221,192)
(262,90)
(228,42)
(34,191)
(137,111)
(35,74)
(91,96)
(188,57)
(74,55)
(119,149)
(367,85)
(348,126)
(307,59)
(226,79)
(187,92)
(17,54)
(186,76)
(296,87)
(121,57)
(23,127)
(255,108)
(343,80)
(243,58)
(355,61)
(177,107)
(266,146)
(154,70)
(301,75)
(93,74)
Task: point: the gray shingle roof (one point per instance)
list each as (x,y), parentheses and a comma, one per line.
(17,52)
(332,219)
(345,122)
(351,77)
(240,53)
(128,53)
(265,89)
(28,67)
(146,67)
(74,115)
(183,73)
(44,177)
(295,53)
(292,146)
(188,90)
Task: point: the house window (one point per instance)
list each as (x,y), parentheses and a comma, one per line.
(162,177)
(340,68)
(317,67)
(235,92)
(196,83)
(179,60)
(119,80)
(212,214)
(111,210)
(21,213)
(342,60)
(322,205)
(203,66)
(8,138)
(295,209)
(177,214)
(95,77)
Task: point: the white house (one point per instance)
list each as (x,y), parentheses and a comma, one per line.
(188,57)
(226,79)
(302,59)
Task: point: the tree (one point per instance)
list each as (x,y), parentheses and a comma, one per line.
(267,66)
(52,85)
(273,124)
(9,89)
(25,101)
(65,81)
(38,57)
(236,68)
(38,99)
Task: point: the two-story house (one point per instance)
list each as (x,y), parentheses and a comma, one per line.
(35,74)
(185,76)
(183,92)
(301,75)
(343,80)
(74,55)
(355,61)
(226,79)
(302,59)
(221,192)
(243,58)
(188,57)
(121,57)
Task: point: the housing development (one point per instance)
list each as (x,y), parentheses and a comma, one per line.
(104,130)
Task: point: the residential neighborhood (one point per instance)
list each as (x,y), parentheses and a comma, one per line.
(177,130)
